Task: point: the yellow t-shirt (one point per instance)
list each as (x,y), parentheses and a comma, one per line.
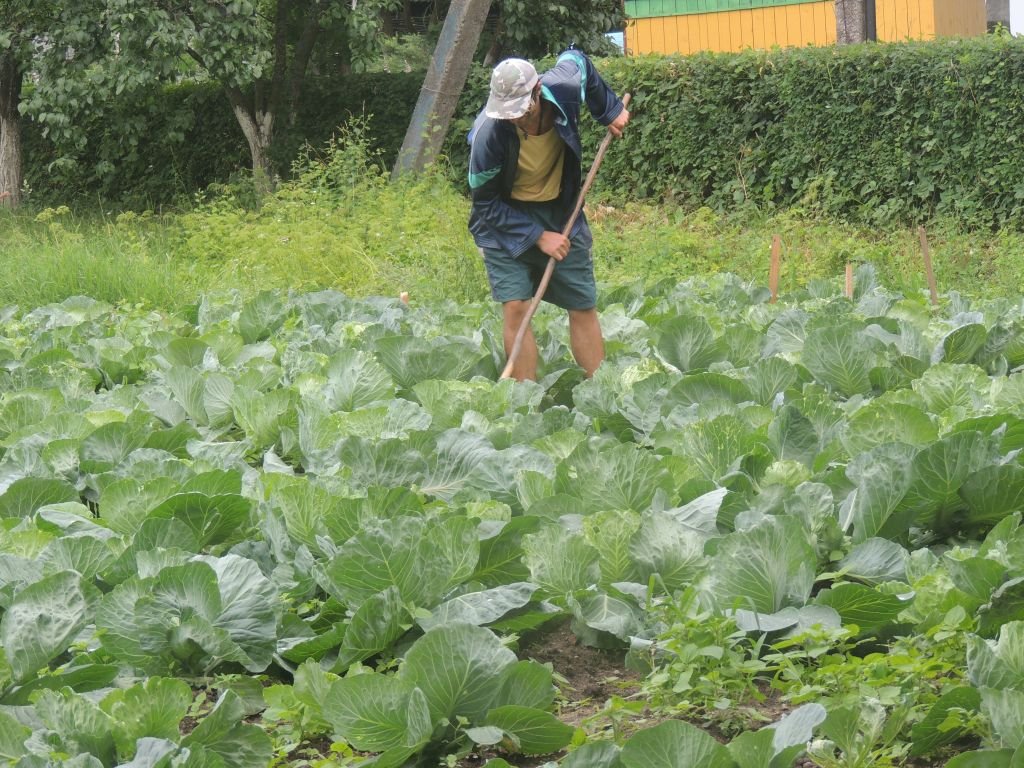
(539,175)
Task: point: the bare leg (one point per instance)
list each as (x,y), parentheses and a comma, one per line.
(586,340)
(526,362)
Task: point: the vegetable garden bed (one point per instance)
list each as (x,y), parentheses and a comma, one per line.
(312,530)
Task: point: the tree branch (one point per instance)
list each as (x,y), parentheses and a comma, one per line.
(279,75)
(197,58)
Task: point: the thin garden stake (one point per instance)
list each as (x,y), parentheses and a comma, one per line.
(849,280)
(774,268)
(517,345)
(928,271)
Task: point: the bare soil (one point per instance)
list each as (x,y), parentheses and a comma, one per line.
(586,677)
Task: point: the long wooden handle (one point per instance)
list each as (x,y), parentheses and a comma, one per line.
(517,345)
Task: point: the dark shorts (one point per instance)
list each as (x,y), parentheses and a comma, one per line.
(572,283)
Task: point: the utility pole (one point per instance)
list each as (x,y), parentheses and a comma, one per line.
(855,21)
(442,85)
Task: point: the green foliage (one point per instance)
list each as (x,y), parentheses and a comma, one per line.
(721,675)
(424,248)
(533,30)
(456,681)
(709,669)
(56,254)
(128,47)
(340,224)
(336,490)
(157,147)
(384,100)
(875,134)
(258,56)
(403,53)
(668,242)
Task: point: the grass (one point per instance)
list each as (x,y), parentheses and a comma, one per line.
(342,225)
(55,254)
(657,242)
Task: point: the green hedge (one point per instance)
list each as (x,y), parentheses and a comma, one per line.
(143,153)
(871,133)
(875,133)
(161,148)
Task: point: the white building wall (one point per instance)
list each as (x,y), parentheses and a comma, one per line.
(1017,17)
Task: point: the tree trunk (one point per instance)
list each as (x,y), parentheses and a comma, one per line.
(10,132)
(257,125)
(300,61)
(493,52)
(495,49)
(387,23)
(281,94)
(851,18)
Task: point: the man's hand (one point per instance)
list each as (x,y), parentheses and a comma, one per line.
(619,123)
(554,244)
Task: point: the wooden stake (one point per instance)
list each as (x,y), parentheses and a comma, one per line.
(849,280)
(928,271)
(773,270)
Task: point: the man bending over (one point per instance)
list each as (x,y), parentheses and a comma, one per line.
(525,173)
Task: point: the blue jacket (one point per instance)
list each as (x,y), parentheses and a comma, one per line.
(494,155)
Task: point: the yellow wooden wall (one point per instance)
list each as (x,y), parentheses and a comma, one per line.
(803,24)
(898,20)
(799,25)
(961,18)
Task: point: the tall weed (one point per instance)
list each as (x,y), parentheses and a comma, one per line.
(341,224)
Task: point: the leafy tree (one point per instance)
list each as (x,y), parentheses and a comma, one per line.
(533,30)
(81,55)
(258,50)
(30,27)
